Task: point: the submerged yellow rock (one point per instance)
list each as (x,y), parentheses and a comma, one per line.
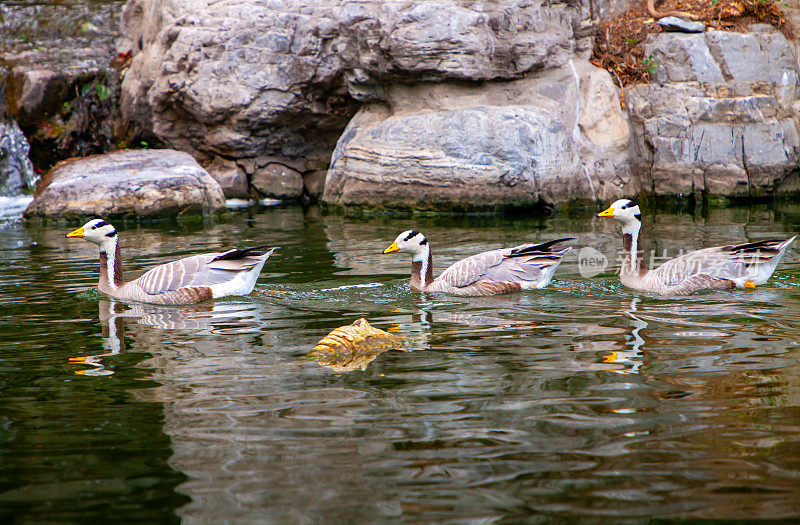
(353,346)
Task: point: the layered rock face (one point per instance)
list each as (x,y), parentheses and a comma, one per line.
(471,105)
(400,41)
(56,63)
(256,83)
(519,143)
(720,115)
(454,104)
(474,105)
(130,183)
(260,94)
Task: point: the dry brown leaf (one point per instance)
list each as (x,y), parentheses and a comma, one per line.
(353,346)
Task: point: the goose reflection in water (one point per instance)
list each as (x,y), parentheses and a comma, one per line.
(199,319)
(631,358)
(416,333)
(697,333)
(112,331)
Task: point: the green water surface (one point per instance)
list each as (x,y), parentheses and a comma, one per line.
(582,401)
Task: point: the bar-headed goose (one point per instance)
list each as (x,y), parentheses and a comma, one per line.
(737,265)
(185,281)
(488,273)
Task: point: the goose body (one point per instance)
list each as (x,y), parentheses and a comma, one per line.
(723,267)
(185,281)
(489,273)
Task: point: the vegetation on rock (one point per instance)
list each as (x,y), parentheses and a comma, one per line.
(619,42)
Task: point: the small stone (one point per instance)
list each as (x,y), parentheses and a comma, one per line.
(314,182)
(681,25)
(33,93)
(231,178)
(277,181)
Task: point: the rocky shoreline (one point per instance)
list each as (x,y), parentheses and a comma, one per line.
(431,105)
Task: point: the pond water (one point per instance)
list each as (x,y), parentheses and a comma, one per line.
(580,401)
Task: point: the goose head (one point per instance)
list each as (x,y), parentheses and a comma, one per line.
(97,231)
(410,241)
(624,210)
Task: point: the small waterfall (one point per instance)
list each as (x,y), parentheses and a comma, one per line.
(16,171)
(17,178)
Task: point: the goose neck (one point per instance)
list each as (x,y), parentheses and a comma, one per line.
(110,266)
(422,269)
(633,262)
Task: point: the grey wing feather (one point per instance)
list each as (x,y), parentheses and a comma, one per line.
(525,262)
(472,269)
(199,270)
(722,262)
(174,275)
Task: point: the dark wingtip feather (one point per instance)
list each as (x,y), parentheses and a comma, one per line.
(542,247)
(240,254)
(769,246)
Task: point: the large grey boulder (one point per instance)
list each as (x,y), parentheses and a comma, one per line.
(130,183)
(556,137)
(250,81)
(720,115)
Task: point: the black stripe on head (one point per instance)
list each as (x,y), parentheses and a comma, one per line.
(630,204)
(99,224)
(423,242)
(111,233)
(638,217)
(411,234)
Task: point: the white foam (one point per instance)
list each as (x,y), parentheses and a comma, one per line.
(11,208)
(236,204)
(348,286)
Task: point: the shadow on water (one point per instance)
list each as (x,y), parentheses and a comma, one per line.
(583,400)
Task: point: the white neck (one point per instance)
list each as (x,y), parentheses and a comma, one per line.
(632,228)
(110,249)
(422,255)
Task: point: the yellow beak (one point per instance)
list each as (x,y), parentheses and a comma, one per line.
(606,213)
(392,248)
(76,233)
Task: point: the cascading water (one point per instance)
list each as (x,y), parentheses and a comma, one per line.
(17,177)
(16,171)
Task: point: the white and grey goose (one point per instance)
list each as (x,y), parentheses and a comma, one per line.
(185,281)
(722,267)
(489,273)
